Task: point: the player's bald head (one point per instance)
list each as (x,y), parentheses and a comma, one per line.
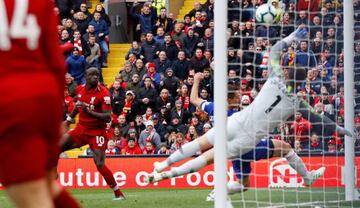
(92,70)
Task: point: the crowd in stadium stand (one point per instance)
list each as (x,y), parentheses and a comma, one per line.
(152,113)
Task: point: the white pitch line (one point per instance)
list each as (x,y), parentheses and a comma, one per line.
(278,205)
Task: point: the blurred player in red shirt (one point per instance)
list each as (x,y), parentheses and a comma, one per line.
(94,108)
(34,69)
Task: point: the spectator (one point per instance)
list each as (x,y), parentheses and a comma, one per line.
(90,32)
(199,25)
(136,50)
(190,42)
(163,21)
(101,31)
(76,66)
(134,84)
(332,148)
(82,21)
(180,112)
(170,82)
(194,121)
(209,8)
(207,42)
(123,125)
(150,47)
(160,36)
(146,18)
(139,124)
(163,150)
(177,34)
(170,48)
(198,62)
(149,149)
(119,140)
(127,72)
(117,94)
(208,82)
(153,75)
(197,8)
(93,55)
(297,146)
(171,137)
(187,23)
(191,134)
(70,85)
(301,128)
(148,115)
(164,100)
(131,106)
(132,148)
(181,66)
(103,16)
(179,142)
(84,9)
(184,97)
(70,26)
(159,127)
(315,144)
(140,68)
(149,134)
(303,18)
(147,95)
(68,101)
(78,42)
(112,149)
(162,63)
(305,56)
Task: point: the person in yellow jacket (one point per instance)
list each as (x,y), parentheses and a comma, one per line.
(158,4)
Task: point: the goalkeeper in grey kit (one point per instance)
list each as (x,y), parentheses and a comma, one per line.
(276,102)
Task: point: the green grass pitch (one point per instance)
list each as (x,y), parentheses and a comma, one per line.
(195,198)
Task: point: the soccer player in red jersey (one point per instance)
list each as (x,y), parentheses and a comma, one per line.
(94,108)
(31,111)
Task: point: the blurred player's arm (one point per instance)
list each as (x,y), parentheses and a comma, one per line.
(194,96)
(274,66)
(328,125)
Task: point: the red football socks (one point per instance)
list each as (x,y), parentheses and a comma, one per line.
(65,200)
(108,176)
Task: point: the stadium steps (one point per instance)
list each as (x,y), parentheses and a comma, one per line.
(187,7)
(116,60)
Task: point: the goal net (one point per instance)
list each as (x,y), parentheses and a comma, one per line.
(274,181)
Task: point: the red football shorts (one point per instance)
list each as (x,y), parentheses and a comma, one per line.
(30,117)
(96,138)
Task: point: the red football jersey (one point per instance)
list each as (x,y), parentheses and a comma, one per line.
(99,101)
(28,37)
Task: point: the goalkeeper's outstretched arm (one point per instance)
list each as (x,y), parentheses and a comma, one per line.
(326,123)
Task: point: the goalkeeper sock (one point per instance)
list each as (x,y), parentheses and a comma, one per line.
(234,187)
(189,167)
(185,151)
(65,200)
(297,164)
